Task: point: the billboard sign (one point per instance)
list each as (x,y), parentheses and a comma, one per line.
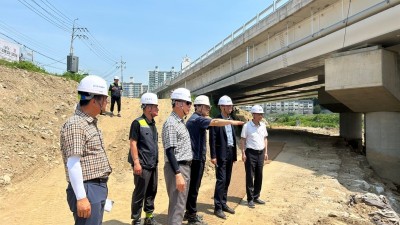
(9,51)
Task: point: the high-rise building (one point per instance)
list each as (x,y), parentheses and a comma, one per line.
(157,78)
(134,90)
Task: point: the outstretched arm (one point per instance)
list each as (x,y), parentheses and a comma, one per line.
(222,122)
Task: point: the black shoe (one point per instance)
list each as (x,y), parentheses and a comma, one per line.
(195,219)
(151,221)
(186,216)
(228,210)
(219,213)
(136,222)
(259,201)
(251,204)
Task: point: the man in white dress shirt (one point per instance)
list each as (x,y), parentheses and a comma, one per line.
(254,146)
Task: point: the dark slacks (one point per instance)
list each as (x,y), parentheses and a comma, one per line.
(113,100)
(96,192)
(196,174)
(223,175)
(145,189)
(254,173)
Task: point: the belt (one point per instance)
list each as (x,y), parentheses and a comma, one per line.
(97,180)
(185,162)
(255,151)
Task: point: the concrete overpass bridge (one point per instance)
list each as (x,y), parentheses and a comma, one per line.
(346,52)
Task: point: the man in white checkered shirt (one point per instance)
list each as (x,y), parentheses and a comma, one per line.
(178,155)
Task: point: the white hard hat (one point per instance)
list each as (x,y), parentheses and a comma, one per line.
(149,98)
(116,78)
(94,85)
(225,100)
(257,109)
(202,100)
(181,94)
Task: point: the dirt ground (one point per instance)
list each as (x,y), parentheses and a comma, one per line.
(311,181)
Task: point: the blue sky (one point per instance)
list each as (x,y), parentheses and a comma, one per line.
(145,33)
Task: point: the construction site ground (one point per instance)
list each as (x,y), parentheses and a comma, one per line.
(310,179)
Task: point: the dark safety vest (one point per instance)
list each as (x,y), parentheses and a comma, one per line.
(147,145)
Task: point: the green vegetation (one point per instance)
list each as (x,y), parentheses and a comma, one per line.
(74,76)
(29,66)
(23,65)
(318,120)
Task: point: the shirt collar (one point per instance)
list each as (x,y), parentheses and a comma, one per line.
(86,116)
(147,120)
(253,124)
(226,118)
(173,114)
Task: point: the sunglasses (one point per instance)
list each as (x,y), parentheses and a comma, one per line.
(188,103)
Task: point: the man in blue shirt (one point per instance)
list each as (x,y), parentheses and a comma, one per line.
(197,125)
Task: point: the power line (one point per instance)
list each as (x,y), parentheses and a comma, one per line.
(24,37)
(29,6)
(31,48)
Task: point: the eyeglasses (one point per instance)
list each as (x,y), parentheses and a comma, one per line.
(188,103)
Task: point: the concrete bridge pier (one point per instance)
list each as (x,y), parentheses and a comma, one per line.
(368,80)
(351,128)
(383,143)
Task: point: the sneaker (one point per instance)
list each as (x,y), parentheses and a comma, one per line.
(187,215)
(251,204)
(195,219)
(136,222)
(259,201)
(151,221)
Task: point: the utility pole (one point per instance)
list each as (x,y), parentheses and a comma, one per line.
(72,62)
(122,67)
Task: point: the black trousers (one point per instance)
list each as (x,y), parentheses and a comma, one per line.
(254,173)
(223,175)
(145,189)
(113,100)
(196,174)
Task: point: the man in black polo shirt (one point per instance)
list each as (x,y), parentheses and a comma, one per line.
(144,159)
(197,125)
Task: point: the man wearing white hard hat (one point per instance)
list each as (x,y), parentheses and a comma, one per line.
(254,146)
(115,90)
(223,153)
(143,157)
(197,125)
(178,155)
(86,164)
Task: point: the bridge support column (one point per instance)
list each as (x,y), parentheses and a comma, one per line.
(383,143)
(351,128)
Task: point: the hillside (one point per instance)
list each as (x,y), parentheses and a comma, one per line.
(315,179)
(32,108)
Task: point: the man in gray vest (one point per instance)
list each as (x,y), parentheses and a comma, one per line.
(143,157)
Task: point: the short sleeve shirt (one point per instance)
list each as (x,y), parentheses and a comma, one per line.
(255,135)
(176,135)
(197,126)
(81,136)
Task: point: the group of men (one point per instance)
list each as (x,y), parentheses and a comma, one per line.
(87,167)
